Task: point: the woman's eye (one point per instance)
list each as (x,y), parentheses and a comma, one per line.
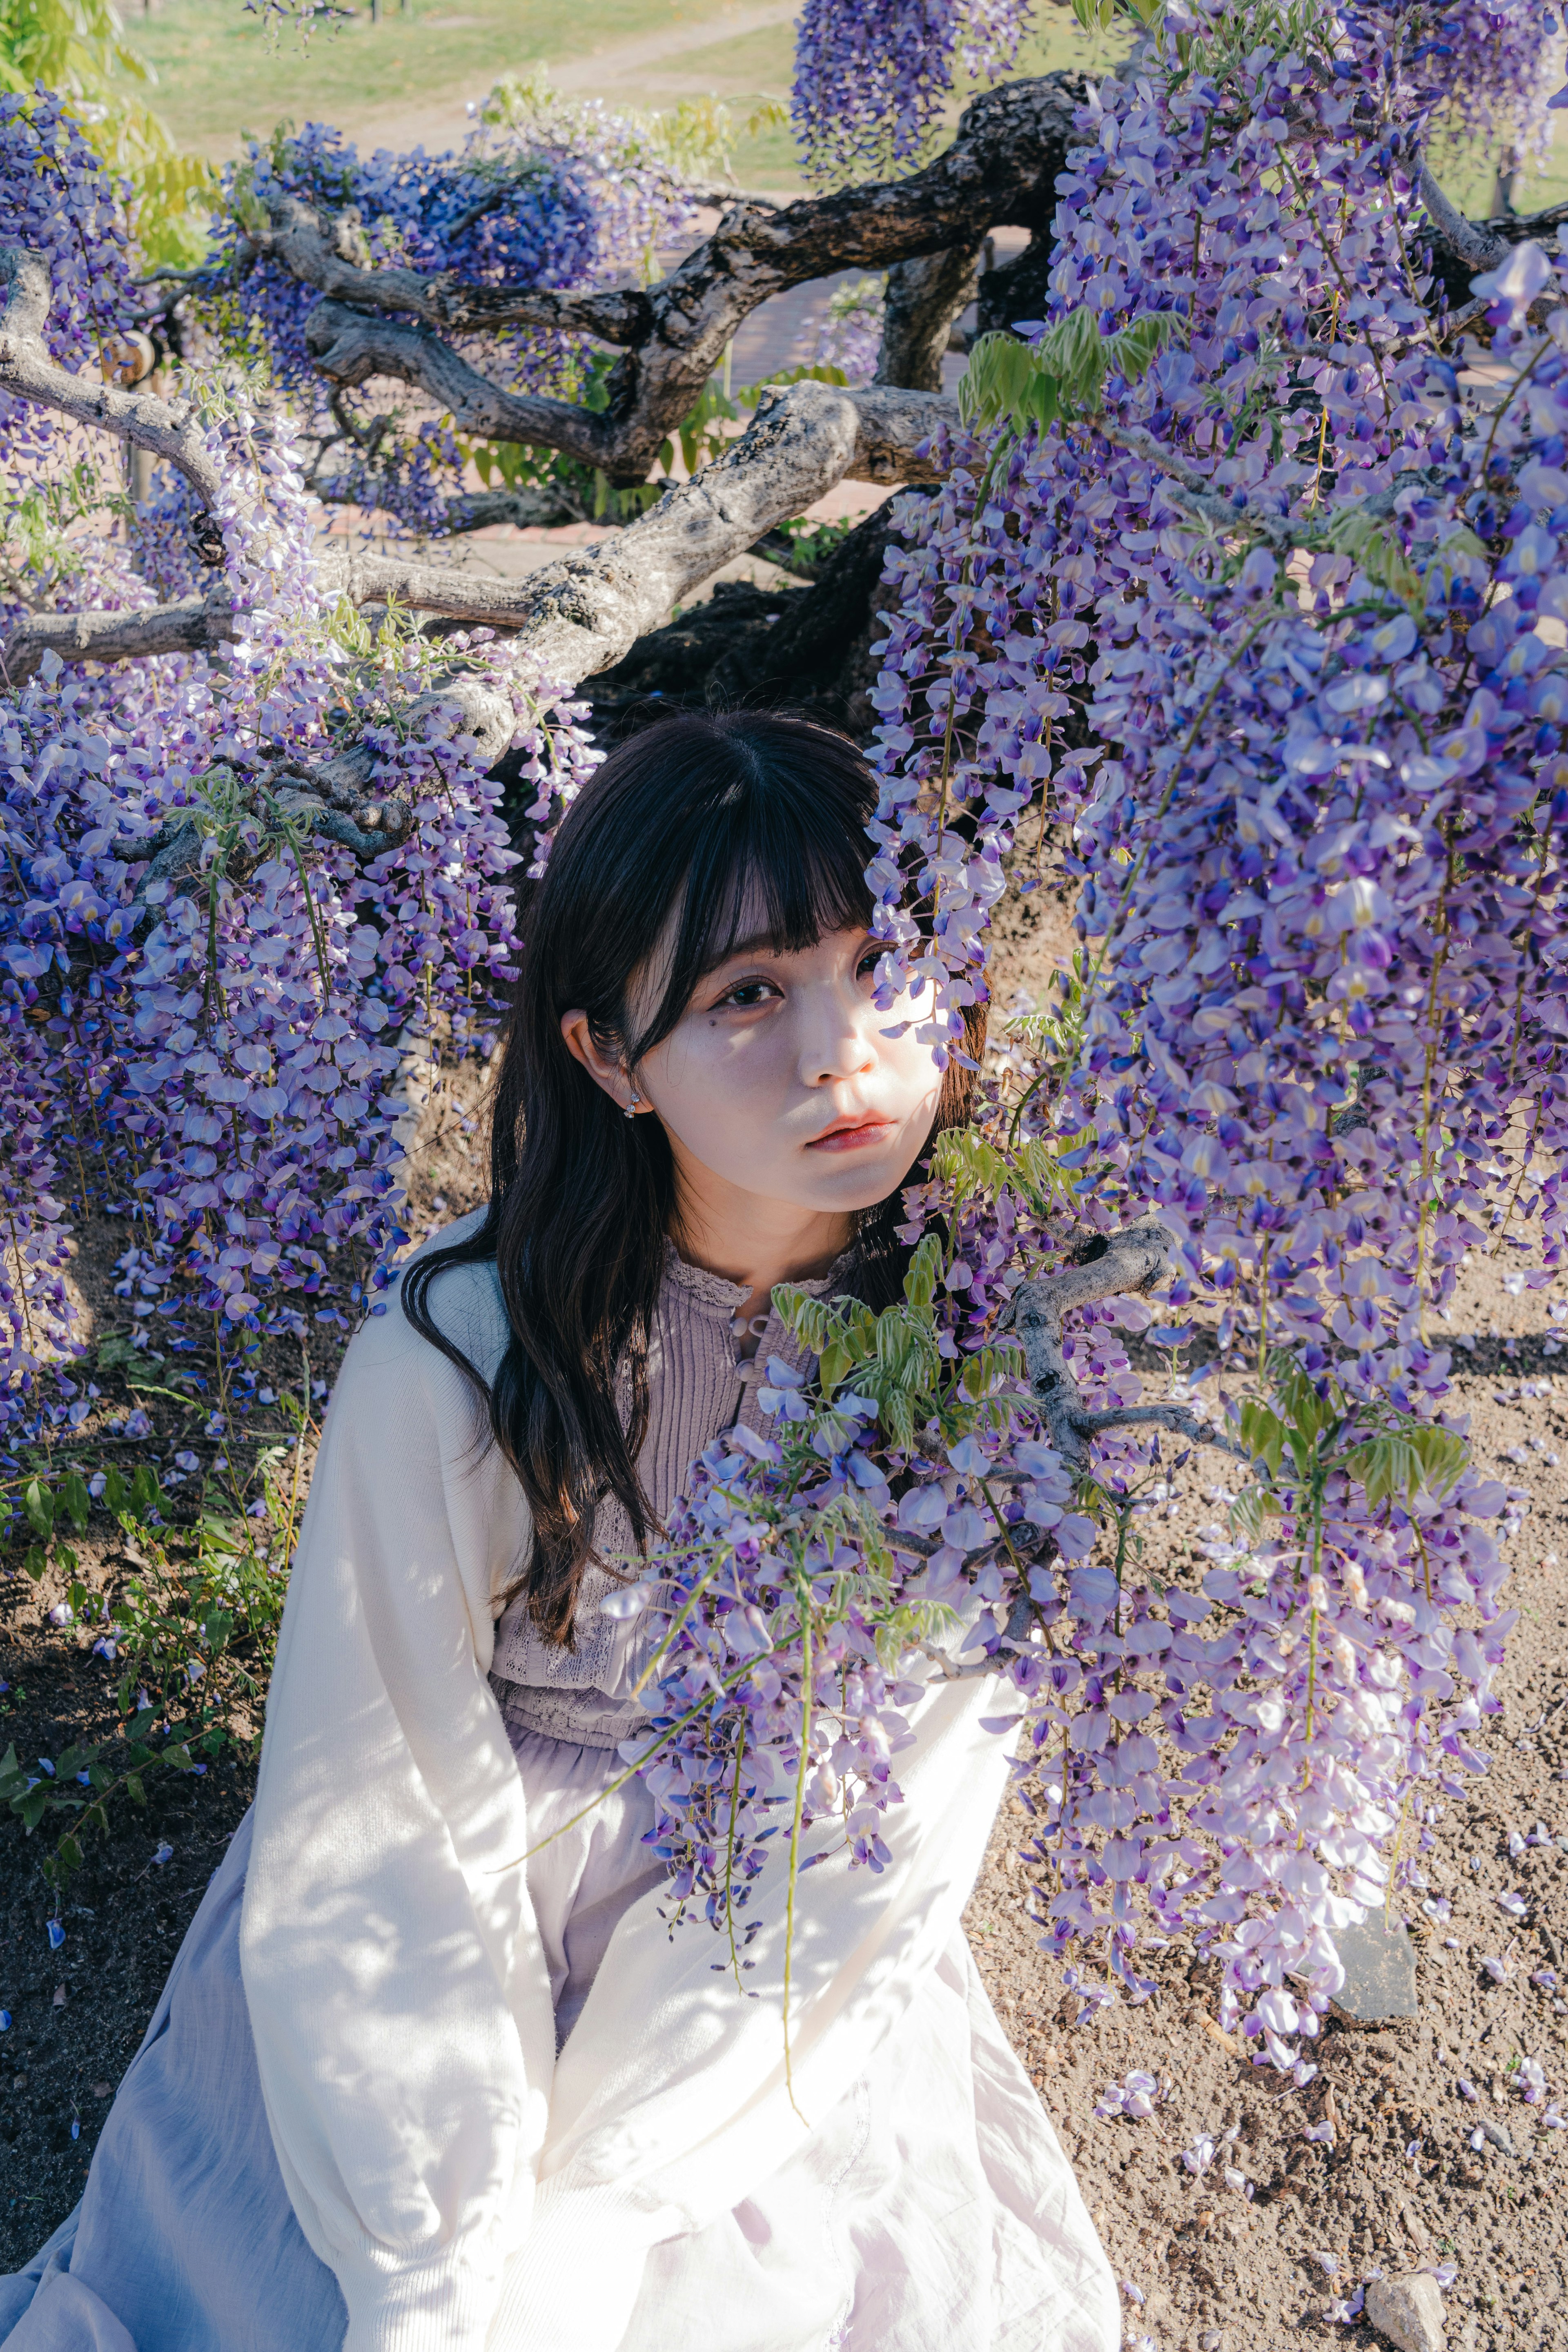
(869,962)
(747,995)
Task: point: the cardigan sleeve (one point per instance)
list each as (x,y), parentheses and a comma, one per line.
(469,2188)
(397,1988)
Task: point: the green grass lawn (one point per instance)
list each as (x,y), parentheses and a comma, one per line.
(219,74)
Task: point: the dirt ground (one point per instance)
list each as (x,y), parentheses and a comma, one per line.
(1208,2267)
(1205,2268)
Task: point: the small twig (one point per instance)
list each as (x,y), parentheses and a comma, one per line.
(1177,1418)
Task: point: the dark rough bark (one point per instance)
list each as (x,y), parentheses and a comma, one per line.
(924,297)
(1019,289)
(803,650)
(1001,167)
(1462,249)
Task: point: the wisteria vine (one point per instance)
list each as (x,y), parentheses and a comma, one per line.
(1235,586)
(1241,589)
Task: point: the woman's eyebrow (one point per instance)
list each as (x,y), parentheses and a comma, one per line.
(758,942)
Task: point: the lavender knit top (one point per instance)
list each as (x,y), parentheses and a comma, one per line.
(699,1382)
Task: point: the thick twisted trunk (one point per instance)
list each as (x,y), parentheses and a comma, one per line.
(584,613)
(924,297)
(1002,166)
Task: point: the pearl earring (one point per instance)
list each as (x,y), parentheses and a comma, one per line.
(631,1109)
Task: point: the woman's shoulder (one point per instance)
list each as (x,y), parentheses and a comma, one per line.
(463,1301)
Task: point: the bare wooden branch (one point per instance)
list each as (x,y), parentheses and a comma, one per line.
(316,248)
(194,622)
(1479,248)
(169,429)
(582,615)
(1113,1267)
(1003,164)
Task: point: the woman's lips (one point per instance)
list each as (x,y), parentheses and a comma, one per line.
(853,1139)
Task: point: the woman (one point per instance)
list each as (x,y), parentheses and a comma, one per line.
(464,2098)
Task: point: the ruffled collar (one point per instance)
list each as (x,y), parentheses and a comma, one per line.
(710,1290)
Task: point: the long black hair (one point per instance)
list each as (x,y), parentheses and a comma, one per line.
(687,829)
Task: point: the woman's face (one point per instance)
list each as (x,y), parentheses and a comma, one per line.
(779,1079)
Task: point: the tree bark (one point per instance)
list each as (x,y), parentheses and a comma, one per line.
(805,650)
(189,626)
(1109,1265)
(1019,289)
(1002,166)
(924,297)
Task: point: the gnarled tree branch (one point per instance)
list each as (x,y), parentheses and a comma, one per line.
(1114,1265)
(582,613)
(168,428)
(924,297)
(1003,164)
(1479,247)
(194,622)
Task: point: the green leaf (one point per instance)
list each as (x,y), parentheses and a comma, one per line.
(1376,545)
(919,1282)
(1017,384)
(144,1492)
(114,1491)
(134,1790)
(962,1158)
(1395,1465)
(1263,1433)
(38,1504)
(35,1561)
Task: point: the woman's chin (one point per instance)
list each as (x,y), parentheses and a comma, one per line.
(855,1186)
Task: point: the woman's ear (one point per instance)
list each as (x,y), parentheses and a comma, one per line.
(602,1068)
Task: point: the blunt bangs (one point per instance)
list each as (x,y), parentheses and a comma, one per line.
(773,848)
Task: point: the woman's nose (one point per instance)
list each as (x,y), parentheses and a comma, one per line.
(841,1043)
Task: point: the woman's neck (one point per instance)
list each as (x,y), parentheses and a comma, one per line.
(749,1239)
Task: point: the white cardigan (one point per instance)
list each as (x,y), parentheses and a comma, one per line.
(467,2188)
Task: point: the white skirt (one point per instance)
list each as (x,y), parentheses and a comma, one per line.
(931,2209)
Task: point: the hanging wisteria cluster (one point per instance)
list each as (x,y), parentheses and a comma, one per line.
(1501,61)
(58,201)
(539,195)
(1245,585)
(1238,586)
(218,1043)
(872,77)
